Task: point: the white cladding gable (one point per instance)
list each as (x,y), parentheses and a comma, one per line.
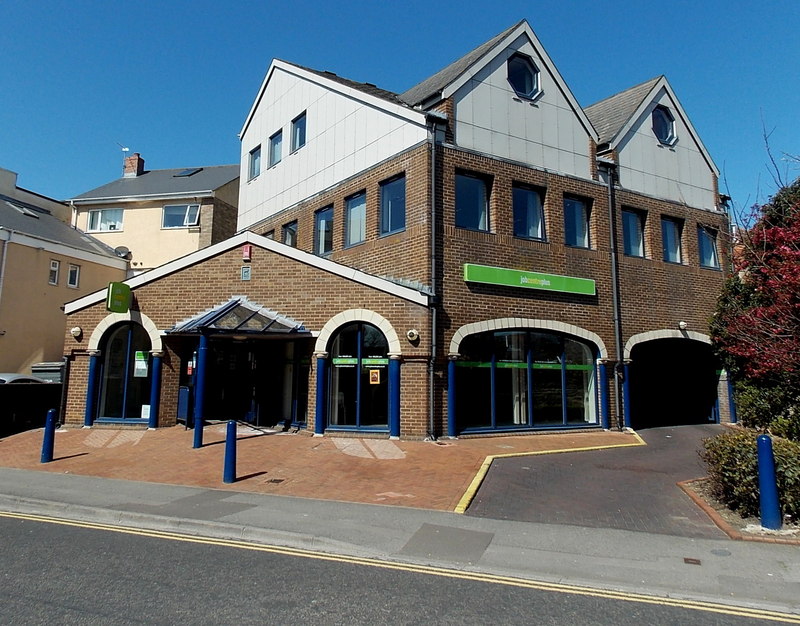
(347,132)
(681,172)
(548,132)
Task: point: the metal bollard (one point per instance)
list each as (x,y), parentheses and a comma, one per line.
(767,484)
(229,472)
(49,436)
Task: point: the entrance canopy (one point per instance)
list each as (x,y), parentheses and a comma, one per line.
(240,317)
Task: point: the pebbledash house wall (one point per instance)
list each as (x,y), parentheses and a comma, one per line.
(300,291)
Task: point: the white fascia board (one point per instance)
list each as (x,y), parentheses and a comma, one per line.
(398,110)
(524,28)
(206,193)
(56,247)
(381,284)
(662,83)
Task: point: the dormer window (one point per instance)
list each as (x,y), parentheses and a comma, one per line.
(664,125)
(523,76)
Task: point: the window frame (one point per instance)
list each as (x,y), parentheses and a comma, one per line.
(187,222)
(387,212)
(540,192)
(254,166)
(677,252)
(289,228)
(55,270)
(353,203)
(641,220)
(100,213)
(586,204)
(662,115)
(276,148)
(299,124)
(486,182)
(73,284)
(323,247)
(709,235)
(535,90)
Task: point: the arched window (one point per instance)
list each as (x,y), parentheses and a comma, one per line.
(359,386)
(523,378)
(125,374)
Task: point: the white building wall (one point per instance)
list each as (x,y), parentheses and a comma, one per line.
(546,133)
(344,136)
(679,172)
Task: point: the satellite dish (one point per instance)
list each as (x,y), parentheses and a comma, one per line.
(122,252)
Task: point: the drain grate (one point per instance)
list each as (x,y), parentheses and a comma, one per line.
(275,481)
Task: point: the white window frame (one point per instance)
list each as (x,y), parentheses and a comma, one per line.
(668,120)
(97,221)
(74,276)
(191,215)
(527,64)
(55,268)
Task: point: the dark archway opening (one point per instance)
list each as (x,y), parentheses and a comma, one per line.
(672,382)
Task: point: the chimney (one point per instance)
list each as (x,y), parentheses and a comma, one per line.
(133,166)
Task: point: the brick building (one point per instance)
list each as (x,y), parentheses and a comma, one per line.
(478,254)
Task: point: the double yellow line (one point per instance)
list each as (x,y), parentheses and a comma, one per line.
(709,607)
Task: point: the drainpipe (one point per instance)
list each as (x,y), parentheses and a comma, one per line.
(6,241)
(435,121)
(619,370)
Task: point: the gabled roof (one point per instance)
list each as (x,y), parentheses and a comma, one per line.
(381,284)
(38,223)
(240,316)
(156,183)
(618,114)
(610,115)
(367,88)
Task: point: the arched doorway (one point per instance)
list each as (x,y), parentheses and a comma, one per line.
(672,381)
(359,383)
(125,372)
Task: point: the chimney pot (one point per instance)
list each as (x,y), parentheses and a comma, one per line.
(133,166)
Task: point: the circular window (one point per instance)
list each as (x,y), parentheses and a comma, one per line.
(664,125)
(523,76)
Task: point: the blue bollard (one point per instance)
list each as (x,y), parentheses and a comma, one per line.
(767,484)
(229,473)
(49,436)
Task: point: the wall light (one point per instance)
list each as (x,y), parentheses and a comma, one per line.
(682,325)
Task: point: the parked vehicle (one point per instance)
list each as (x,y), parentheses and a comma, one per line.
(20,378)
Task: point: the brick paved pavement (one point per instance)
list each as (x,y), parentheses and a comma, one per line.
(408,473)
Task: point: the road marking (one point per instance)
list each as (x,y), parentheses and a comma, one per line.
(469,494)
(709,607)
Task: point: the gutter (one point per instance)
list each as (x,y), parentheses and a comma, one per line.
(6,240)
(207,193)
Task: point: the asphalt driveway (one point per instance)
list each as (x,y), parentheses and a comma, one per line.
(625,488)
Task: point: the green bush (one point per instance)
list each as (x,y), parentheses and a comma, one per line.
(759,404)
(732,460)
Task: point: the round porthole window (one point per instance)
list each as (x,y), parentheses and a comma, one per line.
(523,76)
(664,125)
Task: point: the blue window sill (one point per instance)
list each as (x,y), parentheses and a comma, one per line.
(121,420)
(358,429)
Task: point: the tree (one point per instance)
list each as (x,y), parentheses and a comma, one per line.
(756,327)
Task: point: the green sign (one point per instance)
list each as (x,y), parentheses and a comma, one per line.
(375,361)
(118,299)
(529,280)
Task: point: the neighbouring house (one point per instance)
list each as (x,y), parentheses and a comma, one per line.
(155,216)
(44,262)
(479,254)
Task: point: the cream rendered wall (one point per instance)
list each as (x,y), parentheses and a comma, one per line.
(344,136)
(546,133)
(679,172)
(30,308)
(149,243)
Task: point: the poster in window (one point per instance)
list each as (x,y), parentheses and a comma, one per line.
(374,377)
(140,364)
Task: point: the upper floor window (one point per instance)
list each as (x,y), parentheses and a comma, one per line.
(299,131)
(528,213)
(355,208)
(54,268)
(633,232)
(290,234)
(74,276)
(180,215)
(270,234)
(472,202)
(393,205)
(671,239)
(255,163)
(323,231)
(105,219)
(576,222)
(275,147)
(707,247)
(523,76)
(664,125)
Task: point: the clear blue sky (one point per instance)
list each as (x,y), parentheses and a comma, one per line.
(174,79)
